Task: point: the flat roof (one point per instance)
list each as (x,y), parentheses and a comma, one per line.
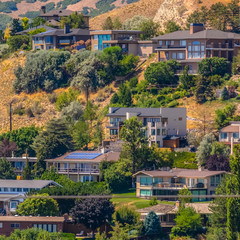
(93,32)
(179,172)
(30,219)
(60,32)
(8,183)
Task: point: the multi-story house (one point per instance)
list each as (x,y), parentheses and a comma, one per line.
(54,17)
(230,133)
(164,127)
(12,192)
(19,163)
(126,39)
(189,47)
(157,183)
(81,166)
(59,38)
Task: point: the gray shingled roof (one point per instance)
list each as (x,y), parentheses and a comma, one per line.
(26,183)
(143,112)
(34,28)
(205,34)
(60,32)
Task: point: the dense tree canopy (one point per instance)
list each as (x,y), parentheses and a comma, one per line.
(6,169)
(75,20)
(43,69)
(38,206)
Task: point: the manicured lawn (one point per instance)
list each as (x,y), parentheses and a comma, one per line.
(130,199)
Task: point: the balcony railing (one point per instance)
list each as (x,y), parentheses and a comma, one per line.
(66,41)
(38,42)
(189,71)
(178,185)
(171,46)
(218,46)
(77,170)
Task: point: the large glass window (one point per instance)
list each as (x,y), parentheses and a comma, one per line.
(153,133)
(213,181)
(196,50)
(160,43)
(145,181)
(180,55)
(145,192)
(113,132)
(174,55)
(223,135)
(236,135)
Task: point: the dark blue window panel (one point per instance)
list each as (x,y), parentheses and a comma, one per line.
(83,155)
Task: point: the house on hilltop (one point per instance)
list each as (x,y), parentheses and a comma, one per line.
(189,47)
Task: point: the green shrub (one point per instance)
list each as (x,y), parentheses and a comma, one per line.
(19,42)
(8,7)
(133,82)
(154,90)
(173,104)
(153,201)
(161,98)
(184,159)
(65,98)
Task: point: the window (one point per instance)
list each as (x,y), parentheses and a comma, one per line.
(12,189)
(196,50)
(167,42)
(95,47)
(223,135)
(15,225)
(183,43)
(200,180)
(13,204)
(160,43)
(153,132)
(164,132)
(45,227)
(157,180)
(95,37)
(19,189)
(158,132)
(174,55)
(65,165)
(180,55)
(213,181)
(26,189)
(172,43)
(1,225)
(236,135)
(217,179)
(113,132)
(180,119)
(145,193)
(40,226)
(49,227)
(54,228)
(145,181)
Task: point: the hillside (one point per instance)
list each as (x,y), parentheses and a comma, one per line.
(160,10)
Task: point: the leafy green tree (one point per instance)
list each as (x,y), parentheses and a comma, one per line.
(6,170)
(133,82)
(152,224)
(205,149)
(150,29)
(186,80)
(53,141)
(19,42)
(188,223)
(220,149)
(117,25)
(90,112)
(213,66)
(92,212)
(81,134)
(223,116)
(16,26)
(171,26)
(37,21)
(108,24)
(38,206)
(184,200)
(73,112)
(98,135)
(162,72)
(134,23)
(75,20)
(126,216)
(31,77)
(225,94)
(233,188)
(198,16)
(218,16)
(24,138)
(132,135)
(27,174)
(125,96)
(25,23)
(119,233)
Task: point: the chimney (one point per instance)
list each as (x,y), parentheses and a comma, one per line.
(177,204)
(66,29)
(200,168)
(196,27)
(43,9)
(66,217)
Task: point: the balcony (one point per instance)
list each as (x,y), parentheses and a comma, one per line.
(189,72)
(38,42)
(219,45)
(64,41)
(169,47)
(178,185)
(78,170)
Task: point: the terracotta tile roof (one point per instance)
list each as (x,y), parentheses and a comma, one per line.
(230,128)
(202,208)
